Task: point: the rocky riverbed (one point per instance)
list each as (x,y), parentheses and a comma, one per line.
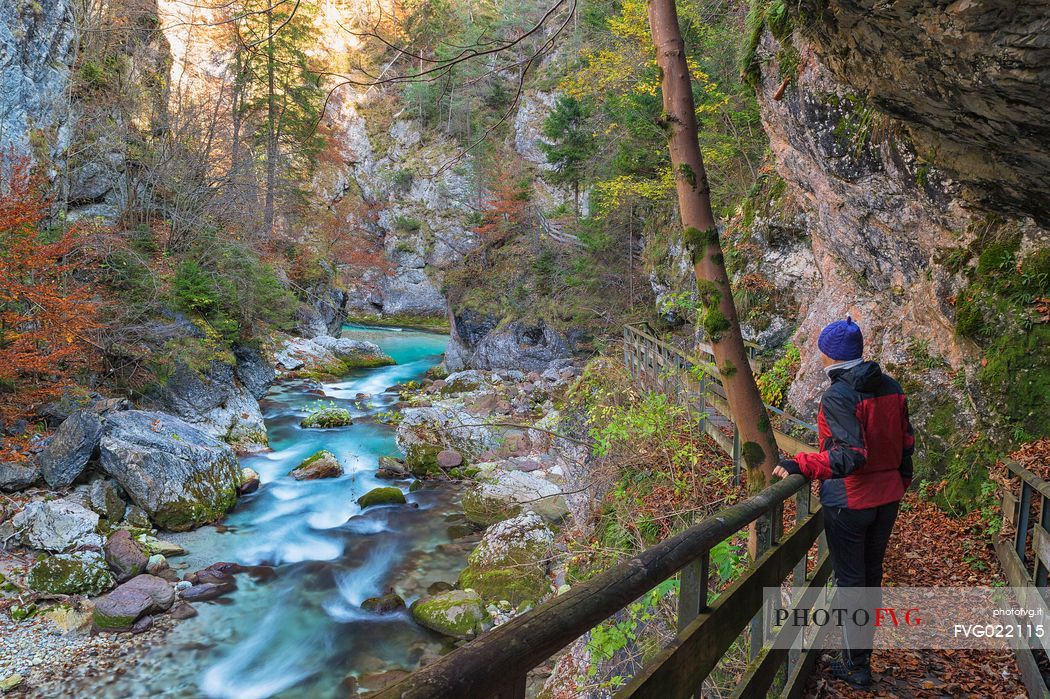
(484,489)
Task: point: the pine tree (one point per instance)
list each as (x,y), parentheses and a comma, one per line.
(279,91)
(570,144)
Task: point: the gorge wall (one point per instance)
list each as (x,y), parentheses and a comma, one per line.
(914,155)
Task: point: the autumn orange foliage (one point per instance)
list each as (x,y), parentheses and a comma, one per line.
(45,315)
(504,213)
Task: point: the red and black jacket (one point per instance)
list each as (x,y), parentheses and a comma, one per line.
(866,440)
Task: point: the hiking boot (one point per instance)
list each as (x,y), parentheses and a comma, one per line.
(856,675)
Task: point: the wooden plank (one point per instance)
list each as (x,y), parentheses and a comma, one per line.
(1024,511)
(692,590)
(790,445)
(795,687)
(685,663)
(479,668)
(759,676)
(1009,508)
(1042,568)
(1031,675)
(1041,544)
(1037,483)
(719,438)
(1012,566)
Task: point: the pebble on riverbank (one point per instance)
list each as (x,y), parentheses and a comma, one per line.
(52,663)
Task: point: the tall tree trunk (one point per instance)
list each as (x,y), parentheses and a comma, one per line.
(271,129)
(716,311)
(235,142)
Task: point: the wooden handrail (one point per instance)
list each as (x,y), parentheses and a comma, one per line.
(1025,557)
(496,663)
(648,357)
(644,331)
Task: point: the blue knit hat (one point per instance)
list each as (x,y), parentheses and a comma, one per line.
(842,340)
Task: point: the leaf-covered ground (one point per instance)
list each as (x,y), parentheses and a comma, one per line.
(931,548)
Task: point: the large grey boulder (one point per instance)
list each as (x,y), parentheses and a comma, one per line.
(56,525)
(254,371)
(482,342)
(456,613)
(450,427)
(65,456)
(504,494)
(511,560)
(216,402)
(181,476)
(327,355)
(353,351)
(77,573)
(18,475)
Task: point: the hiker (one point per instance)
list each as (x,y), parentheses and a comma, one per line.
(864,467)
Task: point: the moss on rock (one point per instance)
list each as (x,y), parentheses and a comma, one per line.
(511,584)
(382,496)
(485,511)
(80,573)
(430,323)
(190,513)
(326,418)
(421,460)
(510,561)
(456,613)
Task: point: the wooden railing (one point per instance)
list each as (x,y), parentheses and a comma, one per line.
(694,381)
(497,663)
(1025,557)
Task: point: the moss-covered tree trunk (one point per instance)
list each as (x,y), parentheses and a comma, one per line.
(716,311)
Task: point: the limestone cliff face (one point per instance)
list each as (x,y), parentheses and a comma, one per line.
(967,78)
(37,43)
(878,136)
(419,201)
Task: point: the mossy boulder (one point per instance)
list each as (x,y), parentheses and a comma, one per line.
(456,613)
(322,464)
(179,475)
(80,573)
(326,418)
(382,496)
(510,584)
(510,562)
(421,460)
(387,604)
(503,494)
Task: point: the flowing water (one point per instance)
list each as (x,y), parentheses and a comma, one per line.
(302,632)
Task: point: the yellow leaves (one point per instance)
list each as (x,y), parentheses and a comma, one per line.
(612,193)
(633,22)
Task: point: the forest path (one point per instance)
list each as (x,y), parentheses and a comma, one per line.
(963,557)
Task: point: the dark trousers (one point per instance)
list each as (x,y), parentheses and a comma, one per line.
(857,542)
